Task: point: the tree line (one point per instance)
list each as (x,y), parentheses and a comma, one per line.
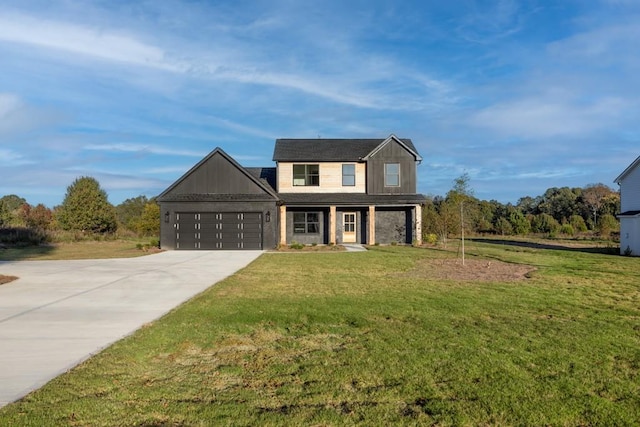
(84,212)
(560,211)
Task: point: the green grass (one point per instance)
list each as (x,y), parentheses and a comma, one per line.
(361,338)
(74,250)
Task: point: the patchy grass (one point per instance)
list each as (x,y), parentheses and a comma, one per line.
(360,338)
(75,250)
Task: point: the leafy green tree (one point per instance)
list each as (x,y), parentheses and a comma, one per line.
(528,205)
(86,208)
(130,211)
(560,203)
(10,210)
(149,222)
(503,226)
(486,215)
(519,222)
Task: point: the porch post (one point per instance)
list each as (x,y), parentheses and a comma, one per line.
(283,225)
(372,226)
(332,225)
(418,236)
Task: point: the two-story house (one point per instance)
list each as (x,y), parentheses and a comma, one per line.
(321,191)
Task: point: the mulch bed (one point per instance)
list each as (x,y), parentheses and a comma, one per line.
(6,279)
(480,270)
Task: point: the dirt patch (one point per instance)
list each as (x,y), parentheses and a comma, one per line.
(6,279)
(480,270)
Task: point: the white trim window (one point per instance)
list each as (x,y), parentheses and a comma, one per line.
(306,175)
(392,174)
(348,175)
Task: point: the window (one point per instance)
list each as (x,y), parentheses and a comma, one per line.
(392,174)
(306,223)
(306,175)
(348,175)
(349,223)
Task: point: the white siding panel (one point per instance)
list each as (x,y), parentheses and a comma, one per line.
(630,191)
(630,235)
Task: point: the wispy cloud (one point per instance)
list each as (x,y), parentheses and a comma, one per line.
(99,43)
(146,149)
(510,90)
(16,116)
(359,84)
(544,117)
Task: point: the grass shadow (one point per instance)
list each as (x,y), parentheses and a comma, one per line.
(605,250)
(18,243)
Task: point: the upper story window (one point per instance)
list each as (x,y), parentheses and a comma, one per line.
(392,174)
(306,175)
(348,175)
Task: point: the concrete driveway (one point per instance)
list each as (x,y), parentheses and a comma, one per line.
(59,313)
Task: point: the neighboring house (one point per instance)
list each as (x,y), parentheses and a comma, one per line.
(322,191)
(629,182)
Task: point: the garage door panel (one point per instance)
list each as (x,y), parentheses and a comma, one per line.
(219,230)
(241,237)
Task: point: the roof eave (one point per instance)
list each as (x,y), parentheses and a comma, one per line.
(390,138)
(629,168)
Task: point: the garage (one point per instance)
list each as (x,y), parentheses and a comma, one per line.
(220,205)
(218,230)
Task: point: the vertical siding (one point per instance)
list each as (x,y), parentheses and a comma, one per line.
(217,176)
(630,191)
(391,153)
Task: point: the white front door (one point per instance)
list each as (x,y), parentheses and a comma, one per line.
(349,227)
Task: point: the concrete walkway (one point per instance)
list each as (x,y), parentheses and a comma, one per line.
(354,247)
(59,313)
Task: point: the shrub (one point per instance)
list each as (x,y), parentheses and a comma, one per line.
(545,223)
(567,229)
(607,225)
(578,224)
(432,238)
(20,236)
(296,245)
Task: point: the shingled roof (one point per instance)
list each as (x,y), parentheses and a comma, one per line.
(331,150)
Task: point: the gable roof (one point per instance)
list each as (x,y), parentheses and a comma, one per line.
(167,195)
(629,168)
(334,150)
(266,175)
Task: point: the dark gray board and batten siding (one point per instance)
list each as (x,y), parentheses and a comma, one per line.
(218,205)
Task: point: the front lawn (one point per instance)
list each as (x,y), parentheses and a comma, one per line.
(376,338)
(74,250)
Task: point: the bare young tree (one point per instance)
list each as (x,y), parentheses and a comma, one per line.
(594,196)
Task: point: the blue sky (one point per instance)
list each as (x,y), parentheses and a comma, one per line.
(521,95)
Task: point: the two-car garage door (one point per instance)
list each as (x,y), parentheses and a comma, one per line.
(219,230)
